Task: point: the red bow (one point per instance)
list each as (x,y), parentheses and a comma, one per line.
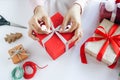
(110,39)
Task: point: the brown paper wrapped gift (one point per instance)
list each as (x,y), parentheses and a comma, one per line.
(18,54)
(96,44)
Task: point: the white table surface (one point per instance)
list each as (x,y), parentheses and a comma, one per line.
(66,67)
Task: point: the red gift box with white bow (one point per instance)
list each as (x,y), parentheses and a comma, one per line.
(110,10)
(55,43)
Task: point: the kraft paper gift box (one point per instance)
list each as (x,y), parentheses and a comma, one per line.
(104,44)
(18,54)
(113,16)
(54,45)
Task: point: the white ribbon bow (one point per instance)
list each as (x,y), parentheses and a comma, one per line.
(55,31)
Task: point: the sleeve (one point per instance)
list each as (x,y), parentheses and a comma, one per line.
(82,4)
(35,3)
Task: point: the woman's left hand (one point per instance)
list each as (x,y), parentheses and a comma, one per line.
(73,17)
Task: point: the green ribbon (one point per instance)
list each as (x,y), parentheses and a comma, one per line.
(119,74)
(17,73)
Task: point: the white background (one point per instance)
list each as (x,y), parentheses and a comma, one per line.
(66,67)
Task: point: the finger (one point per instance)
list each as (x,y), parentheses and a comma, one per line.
(73,39)
(30,33)
(35,23)
(78,39)
(37,30)
(73,27)
(36,26)
(80,33)
(64,24)
(47,22)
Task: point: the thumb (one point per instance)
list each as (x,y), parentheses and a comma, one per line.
(47,22)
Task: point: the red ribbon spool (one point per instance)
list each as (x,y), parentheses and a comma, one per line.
(34,68)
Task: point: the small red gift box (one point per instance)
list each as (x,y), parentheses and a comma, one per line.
(54,45)
(113,15)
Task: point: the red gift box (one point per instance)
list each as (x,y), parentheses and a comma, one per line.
(114,15)
(55,46)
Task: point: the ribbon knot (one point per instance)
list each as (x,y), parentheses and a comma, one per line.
(18,52)
(109,37)
(55,31)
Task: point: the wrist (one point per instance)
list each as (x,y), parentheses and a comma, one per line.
(78,6)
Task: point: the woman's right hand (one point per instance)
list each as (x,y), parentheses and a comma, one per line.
(34,24)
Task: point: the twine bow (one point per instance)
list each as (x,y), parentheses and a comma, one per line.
(17,52)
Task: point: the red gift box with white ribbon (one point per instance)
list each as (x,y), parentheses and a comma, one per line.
(110,10)
(55,43)
(104,44)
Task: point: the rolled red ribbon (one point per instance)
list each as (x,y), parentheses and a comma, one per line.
(33,66)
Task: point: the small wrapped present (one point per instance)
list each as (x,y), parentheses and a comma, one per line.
(104,44)
(55,43)
(17,54)
(110,10)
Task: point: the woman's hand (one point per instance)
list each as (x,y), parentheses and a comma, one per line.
(73,17)
(35,22)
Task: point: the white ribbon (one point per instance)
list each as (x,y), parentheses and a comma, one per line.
(55,31)
(113,16)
